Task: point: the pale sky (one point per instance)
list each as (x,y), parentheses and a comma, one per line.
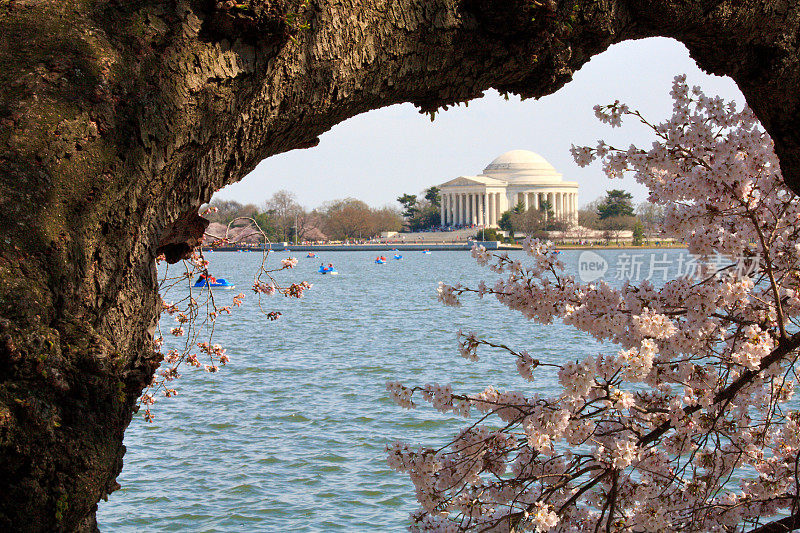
(380,155)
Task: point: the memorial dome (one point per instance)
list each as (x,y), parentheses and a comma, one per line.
(522,166)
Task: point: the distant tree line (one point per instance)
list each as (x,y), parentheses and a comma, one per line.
(283,219)
(612,214)
(532,221)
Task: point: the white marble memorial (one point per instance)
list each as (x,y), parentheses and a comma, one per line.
(516,176)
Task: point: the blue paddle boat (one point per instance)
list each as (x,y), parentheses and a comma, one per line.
(397,256)
(327,270)
(380,260)
(214,283)
(426,251)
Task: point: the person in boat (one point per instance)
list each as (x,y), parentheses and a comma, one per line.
(330,266)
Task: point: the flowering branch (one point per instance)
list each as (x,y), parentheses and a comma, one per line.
(197,311)
(685,425)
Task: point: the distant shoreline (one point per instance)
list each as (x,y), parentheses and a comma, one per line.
(455,246)
(619,246)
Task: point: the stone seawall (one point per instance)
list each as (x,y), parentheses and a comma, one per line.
(372,247)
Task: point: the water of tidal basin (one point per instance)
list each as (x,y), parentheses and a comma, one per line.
(290,435)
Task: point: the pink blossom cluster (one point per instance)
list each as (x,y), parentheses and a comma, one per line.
(264,288)
(684,423)
(196,316)
(289,262)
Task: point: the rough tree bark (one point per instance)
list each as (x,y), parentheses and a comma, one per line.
(117,119)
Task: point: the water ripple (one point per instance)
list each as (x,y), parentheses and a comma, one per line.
(290,435)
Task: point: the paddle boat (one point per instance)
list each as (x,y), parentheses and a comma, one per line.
(311,254)
(212,282)
(327,270)
(426,251)
(397,256)
(380,260)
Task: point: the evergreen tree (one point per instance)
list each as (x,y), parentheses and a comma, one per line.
(617,203)
(409,203)
(433,196)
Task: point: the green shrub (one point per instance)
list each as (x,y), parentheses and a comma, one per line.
(488,234)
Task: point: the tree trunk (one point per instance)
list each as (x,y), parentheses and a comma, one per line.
(117,119)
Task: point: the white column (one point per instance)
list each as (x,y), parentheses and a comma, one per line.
(567,206)
(559,201)
(491,205)
(525,196)
(441,212)
(575,207)
(474,206)
(572,209)
(557,206)
(458,208)
(568,210)
(498,207)
(536,201)
(470,208)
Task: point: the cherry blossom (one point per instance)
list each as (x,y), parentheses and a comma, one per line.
(196,313)
(684,421)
